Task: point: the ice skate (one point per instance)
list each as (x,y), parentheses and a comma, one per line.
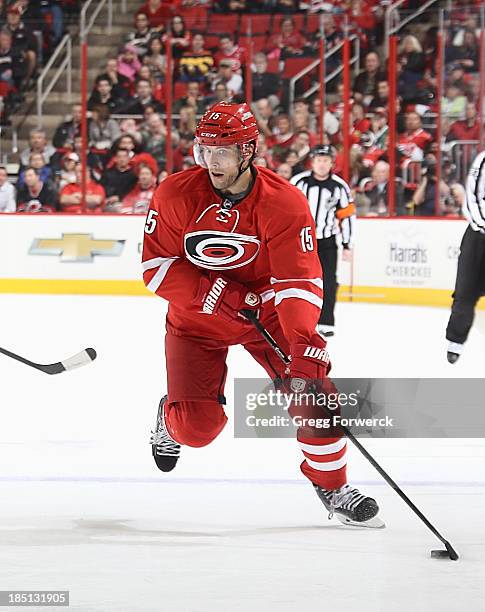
(165,451)
(327,331)
(350,506)
(454,351)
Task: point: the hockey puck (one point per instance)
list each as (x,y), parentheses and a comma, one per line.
(442,554)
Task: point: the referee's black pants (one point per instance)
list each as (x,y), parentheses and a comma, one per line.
(470,285)
(327,252)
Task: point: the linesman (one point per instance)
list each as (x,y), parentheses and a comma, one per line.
(470,275)
(332,207)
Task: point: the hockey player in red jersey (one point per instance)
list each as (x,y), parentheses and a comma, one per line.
(219,238)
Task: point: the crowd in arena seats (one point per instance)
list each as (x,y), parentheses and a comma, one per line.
(209,47)
(29,33)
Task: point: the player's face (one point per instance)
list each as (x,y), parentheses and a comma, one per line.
(322,165)
(222,163)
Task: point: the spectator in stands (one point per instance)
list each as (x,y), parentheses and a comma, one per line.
(23,39)
(286,6)
(333,37)
(264,116)
(265,84)
(11,65)
(331,124)
(53,14)
(467,54)
(36,161)
(285,171)
(103,130)
(196,63)
(35,196)
(183,151)
(412,61)
(360,123)
(220,94)
(118,180)
(365,84)
(264,152)
(423,202)
(291,158)
(156,86)
(138,157)
(138,199)
(372,200)
(301,146)
(180,36)
(281,141)
(70,197)
(155,137)
(158,13)
(453,103)
(7,193)
(94,160)
(130,126)
(381,99)
(193,98)
(103,94)
(143,98)
(231,6)
(415,141)
(229,50)
(121,85)
(38,144)
(337,105)
(67,173)
(379,129)
(287,42)
(68,130)
(155,59)
(230,79)
(187,121)
(142,34)
(128,63)
(468,128)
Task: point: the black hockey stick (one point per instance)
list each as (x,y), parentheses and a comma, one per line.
(450,551)
(76,361)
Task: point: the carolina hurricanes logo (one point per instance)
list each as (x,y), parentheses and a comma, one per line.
(220,250)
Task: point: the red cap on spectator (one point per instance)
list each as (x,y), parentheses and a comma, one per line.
(16,10)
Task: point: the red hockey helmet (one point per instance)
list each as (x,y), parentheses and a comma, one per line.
(226,124)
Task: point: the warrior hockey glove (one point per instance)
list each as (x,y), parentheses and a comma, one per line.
(226,298)
(310,365)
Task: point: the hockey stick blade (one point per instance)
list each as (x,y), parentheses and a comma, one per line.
(76,361)
(450,551)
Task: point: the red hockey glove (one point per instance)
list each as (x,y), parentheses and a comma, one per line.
(310,364)
(308,376)
(226,298)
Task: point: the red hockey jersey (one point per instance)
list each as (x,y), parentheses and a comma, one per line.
(266,242)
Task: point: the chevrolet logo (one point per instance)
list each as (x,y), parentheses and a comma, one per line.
(77,248)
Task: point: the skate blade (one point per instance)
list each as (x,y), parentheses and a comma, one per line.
(373,523)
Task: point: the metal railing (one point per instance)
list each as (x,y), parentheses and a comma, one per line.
(393,21)
(354,61)
(87,24)
(64,51)
(462,153)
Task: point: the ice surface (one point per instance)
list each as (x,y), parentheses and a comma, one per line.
(235,527)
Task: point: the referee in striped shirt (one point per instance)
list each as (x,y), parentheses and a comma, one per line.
(470,275)
(332,207)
